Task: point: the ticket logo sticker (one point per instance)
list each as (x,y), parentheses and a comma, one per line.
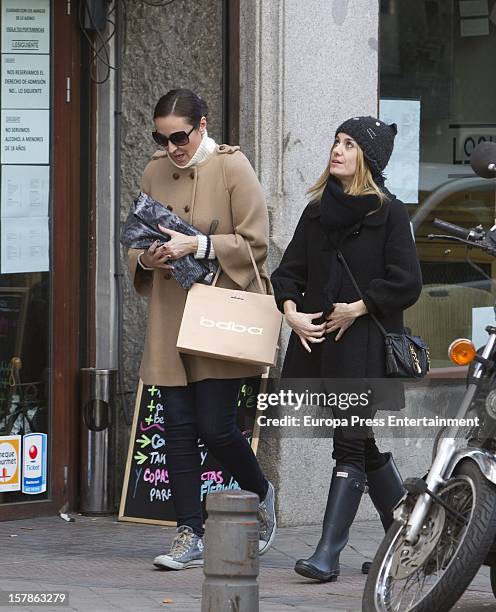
(10,459)
(34,463)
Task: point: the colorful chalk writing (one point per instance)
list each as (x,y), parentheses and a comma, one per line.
(147,494)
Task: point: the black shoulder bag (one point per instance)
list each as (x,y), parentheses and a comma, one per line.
(406,356)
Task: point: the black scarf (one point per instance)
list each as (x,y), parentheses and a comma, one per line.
(341,215)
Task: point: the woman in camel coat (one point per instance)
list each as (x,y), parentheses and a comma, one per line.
(215,189)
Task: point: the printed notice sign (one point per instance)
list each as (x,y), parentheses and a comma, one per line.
(481,318)
(34,463)
(402,172)
(25,191)
(25,137)
(25,81)
(24,245)
(10,459)
(25,26)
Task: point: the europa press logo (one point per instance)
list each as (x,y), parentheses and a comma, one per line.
(34,464)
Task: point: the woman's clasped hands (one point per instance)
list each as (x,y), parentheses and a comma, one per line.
(302,324)
(176,247)
(343,316)
(179,245)
(340,319)
(156,257)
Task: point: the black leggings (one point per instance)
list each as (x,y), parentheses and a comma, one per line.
(206,410)
(359,452)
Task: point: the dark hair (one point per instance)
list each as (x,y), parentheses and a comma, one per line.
(182,103)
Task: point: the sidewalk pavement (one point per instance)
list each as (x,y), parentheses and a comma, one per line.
(106,565)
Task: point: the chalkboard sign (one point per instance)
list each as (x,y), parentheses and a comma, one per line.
(146,495)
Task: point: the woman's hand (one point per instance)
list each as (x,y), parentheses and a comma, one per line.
(343,316)
(179,244)
(156,257)
(301,324)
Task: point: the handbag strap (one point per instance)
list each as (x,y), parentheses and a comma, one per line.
(357,288)
(255,267)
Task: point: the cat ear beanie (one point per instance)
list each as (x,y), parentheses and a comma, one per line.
(374,137)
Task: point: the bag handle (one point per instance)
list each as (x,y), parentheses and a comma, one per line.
(252,259)
(360,294)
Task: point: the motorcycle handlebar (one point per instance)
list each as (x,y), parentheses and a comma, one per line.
(476,236)
(454,230)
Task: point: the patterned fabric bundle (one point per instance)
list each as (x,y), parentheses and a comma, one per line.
(140,230)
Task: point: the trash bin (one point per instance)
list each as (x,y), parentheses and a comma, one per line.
(98,441)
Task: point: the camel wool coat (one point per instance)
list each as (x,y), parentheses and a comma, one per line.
(222,188)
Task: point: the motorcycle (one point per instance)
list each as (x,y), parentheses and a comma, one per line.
(445,525)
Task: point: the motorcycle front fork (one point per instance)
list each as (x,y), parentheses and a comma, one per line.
(437,473)
(435,477)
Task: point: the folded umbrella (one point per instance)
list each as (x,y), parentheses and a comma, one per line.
(140,230)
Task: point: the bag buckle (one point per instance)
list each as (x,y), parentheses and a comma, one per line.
(416,362)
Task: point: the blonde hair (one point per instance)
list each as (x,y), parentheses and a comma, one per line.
(362,183)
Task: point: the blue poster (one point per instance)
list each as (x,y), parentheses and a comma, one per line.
(34,463)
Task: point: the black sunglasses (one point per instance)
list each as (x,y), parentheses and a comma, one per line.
(178,138)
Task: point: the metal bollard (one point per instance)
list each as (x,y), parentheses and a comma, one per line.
(231,553)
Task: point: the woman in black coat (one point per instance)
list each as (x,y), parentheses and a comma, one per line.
(351,211)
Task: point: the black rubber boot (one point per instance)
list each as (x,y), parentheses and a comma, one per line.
(347,486)
(385,490)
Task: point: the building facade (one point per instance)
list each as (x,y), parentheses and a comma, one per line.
(78,91)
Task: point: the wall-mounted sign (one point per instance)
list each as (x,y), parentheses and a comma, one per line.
(25,26)
(481,318)
(25,81)
(402,172)
(24,245)
(34,463)
(24,191)
(10,459)
(466,136)
(25,137)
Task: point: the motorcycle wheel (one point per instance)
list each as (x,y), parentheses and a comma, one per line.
(434,573)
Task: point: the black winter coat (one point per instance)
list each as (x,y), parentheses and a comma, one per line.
(381,254)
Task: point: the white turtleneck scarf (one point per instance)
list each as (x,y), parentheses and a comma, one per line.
(206,147)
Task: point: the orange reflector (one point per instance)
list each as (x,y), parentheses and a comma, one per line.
(462,351)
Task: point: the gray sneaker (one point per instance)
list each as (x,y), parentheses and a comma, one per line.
(267,519)
(186,551)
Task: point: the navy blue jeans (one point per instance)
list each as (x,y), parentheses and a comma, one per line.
(206,410)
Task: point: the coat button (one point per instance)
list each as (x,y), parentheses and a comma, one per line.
(191,175)
(175,176)
(167,276)
(169,207)
(187,209)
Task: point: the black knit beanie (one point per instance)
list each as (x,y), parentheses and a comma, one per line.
(374,137)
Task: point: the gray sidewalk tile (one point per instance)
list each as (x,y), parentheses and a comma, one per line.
(106,566)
